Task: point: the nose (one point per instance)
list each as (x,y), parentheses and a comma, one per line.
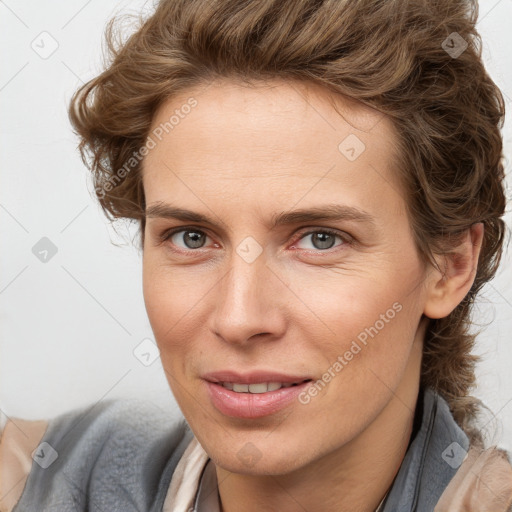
(250,303)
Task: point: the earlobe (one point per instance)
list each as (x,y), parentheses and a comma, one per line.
(446,290)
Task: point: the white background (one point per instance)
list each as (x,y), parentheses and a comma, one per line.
(69,326)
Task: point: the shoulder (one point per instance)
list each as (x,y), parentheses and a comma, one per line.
(483,482)
(91,453)
(19,438)
(482,478)
(443,472)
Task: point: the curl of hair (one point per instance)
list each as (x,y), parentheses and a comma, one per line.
(386,54)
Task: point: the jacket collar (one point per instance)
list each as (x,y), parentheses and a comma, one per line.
(432,459)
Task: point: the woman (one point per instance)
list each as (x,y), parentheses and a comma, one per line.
(319,188)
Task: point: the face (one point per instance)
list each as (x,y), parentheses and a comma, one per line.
(244,289)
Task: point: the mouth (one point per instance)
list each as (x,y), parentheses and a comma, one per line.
(255,400)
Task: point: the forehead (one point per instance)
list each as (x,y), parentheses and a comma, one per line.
(278,133)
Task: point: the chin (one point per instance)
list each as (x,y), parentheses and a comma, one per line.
(263,467)
(257,458)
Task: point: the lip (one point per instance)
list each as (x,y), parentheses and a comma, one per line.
(253,377)
(252,405)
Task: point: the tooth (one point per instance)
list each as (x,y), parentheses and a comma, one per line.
(258,388)
(240,388)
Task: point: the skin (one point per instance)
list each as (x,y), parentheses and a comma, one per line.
(242,155)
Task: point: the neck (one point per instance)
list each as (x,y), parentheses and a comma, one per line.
(354,478)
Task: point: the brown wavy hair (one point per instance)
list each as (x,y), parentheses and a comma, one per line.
(390,55)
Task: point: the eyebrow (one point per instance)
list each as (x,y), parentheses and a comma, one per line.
(330,212)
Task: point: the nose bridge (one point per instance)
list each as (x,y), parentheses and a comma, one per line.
(242,292)
(247,301)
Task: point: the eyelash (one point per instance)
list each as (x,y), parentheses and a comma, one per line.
(167,235)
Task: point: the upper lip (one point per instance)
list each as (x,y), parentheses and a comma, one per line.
(252,377)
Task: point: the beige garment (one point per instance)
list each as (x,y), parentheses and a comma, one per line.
(483,483)
(185,479)
(19,440)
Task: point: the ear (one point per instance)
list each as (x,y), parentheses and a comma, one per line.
(445,291)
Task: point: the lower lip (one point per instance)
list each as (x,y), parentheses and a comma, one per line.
(252,405)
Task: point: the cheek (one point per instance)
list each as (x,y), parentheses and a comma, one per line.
(359,306)
(372,337)
(383,343)
(171,297)
(366,363)
(176,305)
(166,306)
(372,327)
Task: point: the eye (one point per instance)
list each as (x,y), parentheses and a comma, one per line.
(190,238)
(322,239)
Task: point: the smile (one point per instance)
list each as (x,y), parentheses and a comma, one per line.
(261,387)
